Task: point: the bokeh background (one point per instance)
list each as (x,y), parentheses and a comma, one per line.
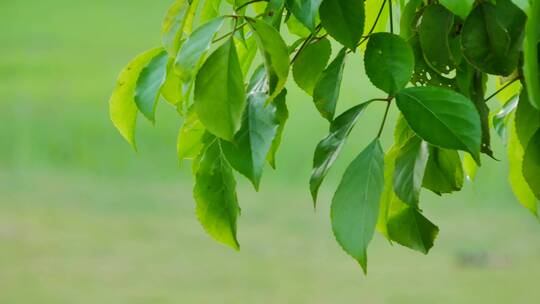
(84,219)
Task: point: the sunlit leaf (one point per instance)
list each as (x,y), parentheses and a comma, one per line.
(310,64)
(219,92)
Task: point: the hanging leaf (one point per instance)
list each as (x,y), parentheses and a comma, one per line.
(531,53)
(329,148)
(411,229)
(247,153)
(177,21)
(326,91)
(462,8)
(195,47)
(531,164)
(442,117)
(149,84)
(389,62)
(275,54)
(310,64)
(219,92)
(190,138)
(209,10)
(343,20)
(409,170)
(355,206)
(444,171)
(434,34)
(122,106)
(215,194)
(305,11)
(492,36)
(282,114)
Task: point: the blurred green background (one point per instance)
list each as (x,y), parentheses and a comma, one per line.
(84,219)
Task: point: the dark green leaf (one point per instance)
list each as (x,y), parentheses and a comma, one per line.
(531,53)
(305,11)
(444,171)
(219,92)
(527,119)
(326,91)
(215,195)
(149,84)
(462,8)
(442,117)
(275,54)
(344,20)
(409,170)
(409,19)
(329,148)
(195,47)
(389,62)
(355,206)
(410,228)
(531,164)
(434,34)
(492,36)
(310,64)
(247,154)
(282,114)
(122,106)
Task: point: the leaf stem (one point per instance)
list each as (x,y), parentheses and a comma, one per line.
(248,3)
(236,28)
(501,89)
(306,42)
(366,37)
(385,117)
(390,12)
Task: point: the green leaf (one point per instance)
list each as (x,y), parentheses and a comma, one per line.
(195,47)
(297,28)
(434,34)
(444,171)
(492,37)
(190,138)
(215,194)
(329,148)
(219,92)
(172,88)
(409,170)
(442,117)
(519,185)
(326,91)
(310,64)
(462,8)
(389,62)
(355,206)
(210,10)
(273,13)
(149,84)
(409,19)
(343,20)
(275,55)
(410,228)
(531,53)
(305,11)
(177,21)
(531,164)
(247,154)
(282,114)
(527,119)
(122,106)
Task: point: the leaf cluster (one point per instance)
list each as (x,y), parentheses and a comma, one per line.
(224,66)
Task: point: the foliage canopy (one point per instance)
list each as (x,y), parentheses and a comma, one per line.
(225,66)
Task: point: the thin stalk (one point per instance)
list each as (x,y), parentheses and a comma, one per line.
(501,89)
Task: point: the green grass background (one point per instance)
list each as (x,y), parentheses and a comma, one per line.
(84,219)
